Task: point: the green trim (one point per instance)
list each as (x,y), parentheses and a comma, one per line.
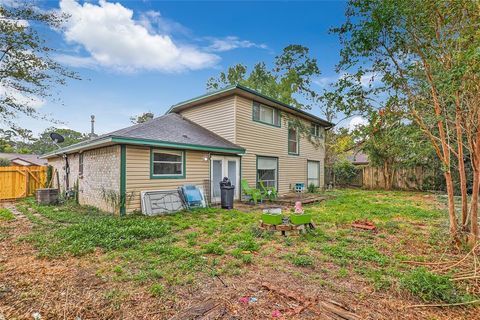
(184,166)
(123,179)
(288,143)
(279,115)
(163,144)
(256,169)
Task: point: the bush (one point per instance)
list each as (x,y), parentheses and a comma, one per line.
(312,188)
(4,162)
(345,171)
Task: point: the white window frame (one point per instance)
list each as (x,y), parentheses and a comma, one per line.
(275,121)
(168,175)
(276,171)
(316,130)
(308,172)
(297,141)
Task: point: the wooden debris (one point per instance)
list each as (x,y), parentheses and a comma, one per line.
(364,224)
(208,309)
(326,309)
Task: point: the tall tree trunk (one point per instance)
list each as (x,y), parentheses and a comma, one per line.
(451,206)
(476,185)
(474,208)
(461,163)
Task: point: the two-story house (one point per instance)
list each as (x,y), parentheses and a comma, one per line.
(234,132)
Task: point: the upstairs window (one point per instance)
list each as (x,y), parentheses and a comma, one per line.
(167,163)
(266,114)
(293,140)
(317,130)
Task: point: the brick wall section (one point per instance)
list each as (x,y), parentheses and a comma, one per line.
(101,175)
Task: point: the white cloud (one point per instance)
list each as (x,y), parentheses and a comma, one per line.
(232,42)
(113,39)
(21,98)
(356,121)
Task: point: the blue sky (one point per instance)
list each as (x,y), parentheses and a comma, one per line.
(137,56)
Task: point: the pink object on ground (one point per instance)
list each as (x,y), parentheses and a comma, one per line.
(244,300)
(298,207)
(276,313)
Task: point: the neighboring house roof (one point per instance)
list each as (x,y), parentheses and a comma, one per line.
(358,158)
(24,159)
(171,130)
(250,93)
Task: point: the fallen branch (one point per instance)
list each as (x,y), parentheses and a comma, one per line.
(466,278)
(443,305)
(427,263)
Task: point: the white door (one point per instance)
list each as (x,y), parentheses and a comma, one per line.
(224,167)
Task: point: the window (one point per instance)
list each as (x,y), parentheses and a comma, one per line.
(267,168)
(266,114)
(317,130)
(80,164)
(293,145)
(167,164)
(313,173)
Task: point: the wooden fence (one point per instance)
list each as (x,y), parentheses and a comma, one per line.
(404,179)
(19,181)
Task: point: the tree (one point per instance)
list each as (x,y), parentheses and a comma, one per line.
(391,144)
(288,81)
(4,162)
(44,143)
(290,78)
(423,53)
(141,118)
(27,70)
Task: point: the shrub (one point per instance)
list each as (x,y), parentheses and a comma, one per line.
(311,188)
(4,162)
(345,171)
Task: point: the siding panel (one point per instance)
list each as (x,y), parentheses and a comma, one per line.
(138,174)
(264,140)
(217,116)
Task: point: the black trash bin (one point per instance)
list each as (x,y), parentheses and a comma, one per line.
(227,191)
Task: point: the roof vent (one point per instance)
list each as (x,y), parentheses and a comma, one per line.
(185,136)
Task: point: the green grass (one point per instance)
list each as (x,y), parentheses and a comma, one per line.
(180,249)
(431,287)
(6,214)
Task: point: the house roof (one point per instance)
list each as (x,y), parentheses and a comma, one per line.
(170,130)
(358,158)
(249,93)
(24,159)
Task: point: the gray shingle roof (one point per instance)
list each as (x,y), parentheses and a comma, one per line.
(175,129)
(32,158)
(170,128)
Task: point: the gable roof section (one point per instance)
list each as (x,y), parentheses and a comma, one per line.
(169,131)
(31,159)
(249,93)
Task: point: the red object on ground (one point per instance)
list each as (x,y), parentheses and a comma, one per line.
(244,300)
(364,224)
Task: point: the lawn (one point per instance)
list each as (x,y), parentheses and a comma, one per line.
(175,260)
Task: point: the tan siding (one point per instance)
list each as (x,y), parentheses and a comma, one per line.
(265,140)
(217,116)
(138,174)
